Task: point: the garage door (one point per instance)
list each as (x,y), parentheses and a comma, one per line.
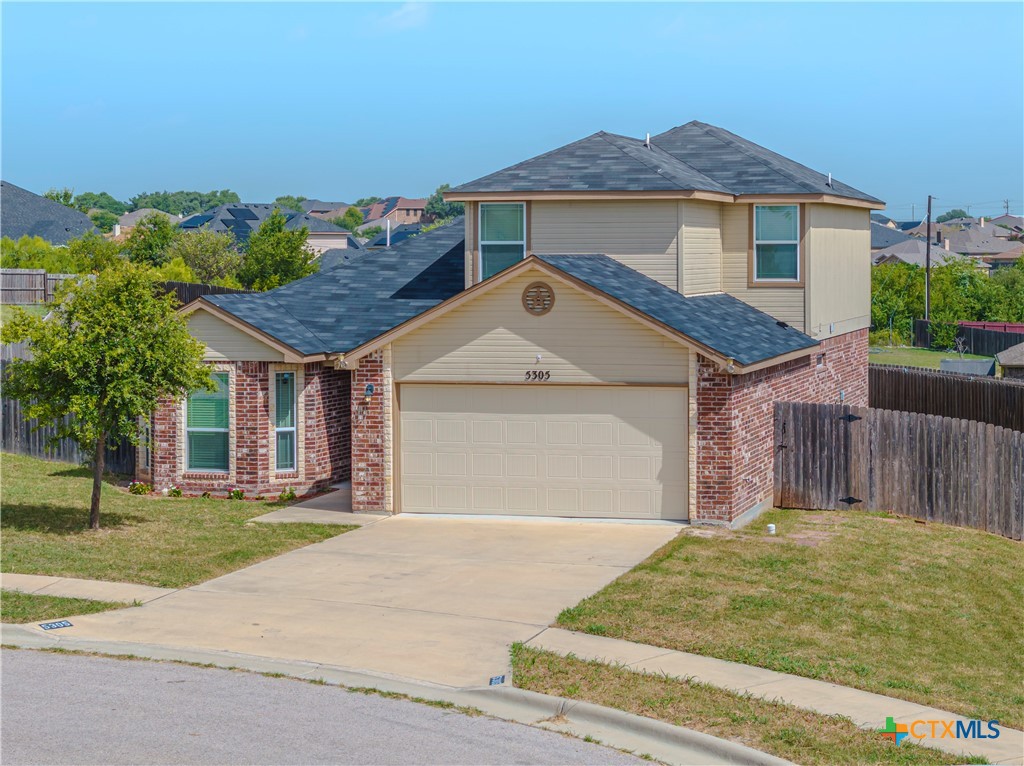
(586,451)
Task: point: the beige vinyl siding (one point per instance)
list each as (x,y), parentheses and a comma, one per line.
(783,303)
(701,259)
(642,234)
(471,223)
(838,257)
(227,343)
(494,339)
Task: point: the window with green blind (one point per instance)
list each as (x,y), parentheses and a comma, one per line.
(284,420)
(502,236)
(207,425)
(777,243)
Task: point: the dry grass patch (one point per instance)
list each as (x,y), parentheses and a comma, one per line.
(17,607)
(927,613)
(782,730)
(152,540)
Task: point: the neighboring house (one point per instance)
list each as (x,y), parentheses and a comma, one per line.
(884,220)
(242,219)
(23,213)
(130,220)
(604,334)
(337,256)
(1012,361)
(1009,225)
(883,236)
(396,235)
(321,209)
(398,210)
(912,251)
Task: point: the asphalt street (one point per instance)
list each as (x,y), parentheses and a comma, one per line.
(72,709)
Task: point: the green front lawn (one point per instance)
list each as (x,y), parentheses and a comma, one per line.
(772,727)
(927,613)
(152,540)
(904,356)
(17,607)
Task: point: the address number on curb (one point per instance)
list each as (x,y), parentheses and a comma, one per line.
(538,375)
(55,625)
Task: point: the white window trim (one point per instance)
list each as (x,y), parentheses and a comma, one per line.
(482,242)
(777,280)
(294,428)
(229,430)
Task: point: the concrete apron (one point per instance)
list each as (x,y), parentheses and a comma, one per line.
(435,600)
(613,728)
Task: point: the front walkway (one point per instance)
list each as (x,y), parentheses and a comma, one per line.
(865,709)
(73,587)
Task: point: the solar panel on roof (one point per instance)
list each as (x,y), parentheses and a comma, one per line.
(242,214)
(195,221)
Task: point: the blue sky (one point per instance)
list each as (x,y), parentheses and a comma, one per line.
(338,101)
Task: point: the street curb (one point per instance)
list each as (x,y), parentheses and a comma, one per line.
(613,728)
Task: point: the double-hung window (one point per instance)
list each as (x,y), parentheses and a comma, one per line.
(207,424)
(776,243)
(502,236)
(284,421)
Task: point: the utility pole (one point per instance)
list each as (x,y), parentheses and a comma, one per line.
(1006,206)
(928,266)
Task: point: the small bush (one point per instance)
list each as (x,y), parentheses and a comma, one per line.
(287,495)
(174,491)
(140,488)
(206,495)
(236,494)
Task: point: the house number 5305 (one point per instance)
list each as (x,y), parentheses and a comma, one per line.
(538,375)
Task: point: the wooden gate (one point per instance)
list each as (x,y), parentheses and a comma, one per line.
(940,469)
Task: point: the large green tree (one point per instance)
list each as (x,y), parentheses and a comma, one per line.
(87,254)
(364,201)
(438,208)
(151,239)
(350,221)
(87,201)
(289,202)
(212,256)
(275,256)
(949,215)
(104,220)
(183,202)
(64,196)
(111,350)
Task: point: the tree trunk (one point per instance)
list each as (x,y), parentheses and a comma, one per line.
(97,481)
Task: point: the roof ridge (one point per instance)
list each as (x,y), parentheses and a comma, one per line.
(604,137)
(665,155)
(302,324)
(739,147)
(537,157)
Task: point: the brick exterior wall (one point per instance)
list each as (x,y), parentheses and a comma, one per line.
(735,420)
(371,430)
(323,433)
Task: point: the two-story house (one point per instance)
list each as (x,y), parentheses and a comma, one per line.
(603,334)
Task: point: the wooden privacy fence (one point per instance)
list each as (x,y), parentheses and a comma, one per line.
(24,286)
(17,435)
(990,400)
(976,340)
(960,472)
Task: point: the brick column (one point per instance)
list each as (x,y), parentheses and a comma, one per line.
(371,434)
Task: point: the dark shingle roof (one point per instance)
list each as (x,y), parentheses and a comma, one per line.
(398,234)
(694,156)
(23,213)
(355,301)
(243,218)
(721,322)
(882,236)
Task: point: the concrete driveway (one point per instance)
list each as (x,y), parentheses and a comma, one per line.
(427,598)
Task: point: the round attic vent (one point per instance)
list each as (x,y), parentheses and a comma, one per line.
(538,298)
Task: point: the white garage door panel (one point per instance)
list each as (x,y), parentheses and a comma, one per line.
(616,452)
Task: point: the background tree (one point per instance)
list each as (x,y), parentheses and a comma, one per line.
(104,220)
(951,214)
(87,254)
(350,221)
(87,201)
(151,240)
(290,203)
(110,352)
(63,196)
(371,231)
(275,256)
(364,201)
(438,208)
(183,202)
(210,255)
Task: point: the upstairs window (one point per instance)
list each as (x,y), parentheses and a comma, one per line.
(502,236)
(207,426)
(284,420)
(776,243)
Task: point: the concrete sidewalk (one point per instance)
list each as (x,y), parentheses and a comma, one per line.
(865,709)
(330,508)
(72,587)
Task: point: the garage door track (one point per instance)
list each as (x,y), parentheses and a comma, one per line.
(427,598)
